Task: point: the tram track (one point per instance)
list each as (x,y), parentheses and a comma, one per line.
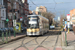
(23,44)
(35,38)
(56,42)
(26,40)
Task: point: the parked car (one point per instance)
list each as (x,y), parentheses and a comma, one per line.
(71,27)
(52,27)
(3,29)
(11,30)
(23,29)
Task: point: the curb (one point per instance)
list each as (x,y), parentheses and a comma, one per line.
(13,39)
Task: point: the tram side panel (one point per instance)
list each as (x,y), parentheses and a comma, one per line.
(43,25)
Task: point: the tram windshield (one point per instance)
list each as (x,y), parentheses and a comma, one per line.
(33,22)
(33,26)
(32,18)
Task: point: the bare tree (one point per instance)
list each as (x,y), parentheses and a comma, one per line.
(62,17)
(48,15)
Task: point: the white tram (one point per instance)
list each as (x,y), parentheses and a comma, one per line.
(37,25)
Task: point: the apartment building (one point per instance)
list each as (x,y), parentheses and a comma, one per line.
(43,9)
(3,14)
(72,15)
(11,9)
(40,9)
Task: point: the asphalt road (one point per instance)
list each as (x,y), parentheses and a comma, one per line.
(47,42)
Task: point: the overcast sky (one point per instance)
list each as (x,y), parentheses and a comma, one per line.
(62,6)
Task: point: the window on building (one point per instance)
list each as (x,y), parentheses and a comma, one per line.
(14,5)
(3,13)
(0,2)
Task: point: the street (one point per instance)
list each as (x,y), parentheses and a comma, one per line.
(48,41)
(37,25)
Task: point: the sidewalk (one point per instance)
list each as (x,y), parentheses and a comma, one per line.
(70,41)
(12,38)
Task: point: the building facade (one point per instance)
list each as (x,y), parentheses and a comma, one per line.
(3,14)
(13,10)
(72,16)
(43,9)
(40,9)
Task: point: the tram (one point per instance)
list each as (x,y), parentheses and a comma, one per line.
(37,25)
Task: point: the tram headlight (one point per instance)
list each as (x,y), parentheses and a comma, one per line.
(28,32)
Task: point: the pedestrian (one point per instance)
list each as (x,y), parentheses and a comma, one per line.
(66,27)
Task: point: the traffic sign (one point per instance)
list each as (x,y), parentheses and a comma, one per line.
(68,17)
(21,18)
(14,22)
(7,20)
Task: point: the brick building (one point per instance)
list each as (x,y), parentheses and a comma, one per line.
(30,12)
(43,9)
(40,9)
(72,15)
(15,8)
(3,14)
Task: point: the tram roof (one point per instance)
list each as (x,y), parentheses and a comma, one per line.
(38,15)
(32,15)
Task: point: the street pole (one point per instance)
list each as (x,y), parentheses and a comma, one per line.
(14,26)
(13,16)
(65,34)
(2,36)
(1,23)
(65,38)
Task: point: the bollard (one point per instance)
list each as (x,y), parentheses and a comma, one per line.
(9,35)
(14,34)
(6,37)
(2,36)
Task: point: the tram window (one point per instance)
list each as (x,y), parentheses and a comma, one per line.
(33,19)
(33,26)
(34,16)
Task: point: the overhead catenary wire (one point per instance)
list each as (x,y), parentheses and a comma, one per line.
(49,4)
(33,3)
